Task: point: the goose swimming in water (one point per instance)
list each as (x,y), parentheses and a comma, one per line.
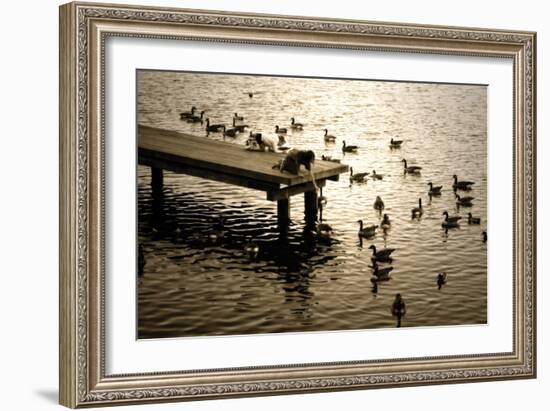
(280,130)
(187,114)
(395,143)
(357,178)
(417,211)
(348,149)
(367,231)
(196,119)
(376,176)
(434,190)
(464,201)
(386,223)
(462,185)
(378,204)
(213,127)
(329,138)
(484,236)
(411,169)
(383,255)
(324,230)
(229,132)
(473,220)
(398,308)
(239,127)
(294,125)
(237,117)
(381,274)
(451,219)
(441,280)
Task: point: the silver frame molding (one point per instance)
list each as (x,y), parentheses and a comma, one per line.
(84,27)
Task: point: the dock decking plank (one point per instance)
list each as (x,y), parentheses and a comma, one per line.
(226,158)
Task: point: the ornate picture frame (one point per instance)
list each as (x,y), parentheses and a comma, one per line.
(84,28)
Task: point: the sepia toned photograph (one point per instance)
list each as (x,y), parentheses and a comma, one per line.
(276,204)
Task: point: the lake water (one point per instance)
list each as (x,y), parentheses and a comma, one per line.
(193,285)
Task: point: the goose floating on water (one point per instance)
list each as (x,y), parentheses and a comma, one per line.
(213,127)
(378,204)
(187,114)
(237,117)
(367,231)
(462,185)
(395,143)
(381,274)
(383,254)
(329,138)
(484,236)
(441,280)
(376,176)
(417,211)
(473,220)
(434,190)
(196,119)
(411,169)
(450,222)
(398,307)
(280,130)
(239,127)
(358,177)
(386,223)
(464,201)
(348,149)
(294,125)
(229,132)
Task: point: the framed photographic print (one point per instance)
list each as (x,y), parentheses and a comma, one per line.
(259,204)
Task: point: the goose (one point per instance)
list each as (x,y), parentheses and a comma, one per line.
(240,128)
(348,149)
(329,138)
(376,176)
(417,211)
(229,132)
(381,273)
(382,255)
(484,236)
(378,204)
(187,114)
(451,219)
(395,143)
(357,178)
(449,224)
(251,248)
(329,158)
(141,259)
(411,169)
(324,230)
(386,223)
(398,308)
(434,190)
(473,220)
(294,125)
(196,119)
(367,231)
(213,127)
(464,201)
(237,117)
(461,185)
(280,130)
(441,279)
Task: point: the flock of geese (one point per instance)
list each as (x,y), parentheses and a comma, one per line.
(381,258)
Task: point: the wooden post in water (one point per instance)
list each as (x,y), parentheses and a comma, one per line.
(310,206)
(157,181)
(283,213)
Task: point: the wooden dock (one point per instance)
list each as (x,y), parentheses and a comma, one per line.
(233,164)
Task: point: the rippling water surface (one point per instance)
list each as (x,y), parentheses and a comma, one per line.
(198,284)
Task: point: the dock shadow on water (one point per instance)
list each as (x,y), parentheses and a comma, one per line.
(213,260)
